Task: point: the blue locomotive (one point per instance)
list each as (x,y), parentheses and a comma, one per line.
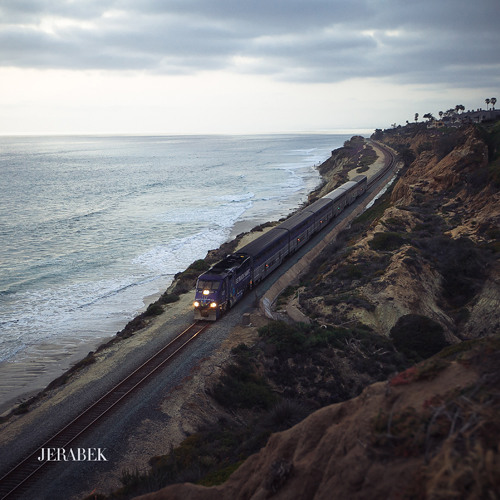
(219,288)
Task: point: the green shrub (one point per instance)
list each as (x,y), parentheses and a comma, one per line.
(287,338)
(154,309)
(386,241)
(242,390)
(462,265)
(349,272)
(219,476)
(240,386)
(425,146)
(374,212)
(168,298)
(199,265)
(414,334)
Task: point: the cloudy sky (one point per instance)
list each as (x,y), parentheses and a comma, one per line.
(241,66)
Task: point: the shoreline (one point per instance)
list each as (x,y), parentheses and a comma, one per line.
(30,377)
(43,376)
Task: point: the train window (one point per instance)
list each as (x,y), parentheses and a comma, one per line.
(208,285)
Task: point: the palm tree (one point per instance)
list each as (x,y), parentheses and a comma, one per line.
(487,101)
(441,114)
(493,101)
(416,117)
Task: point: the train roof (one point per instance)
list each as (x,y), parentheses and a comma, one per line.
(267,239)
(359,178)
(335,194)
(350,185)
(230,263)
(354,182)
(318,205)
(345,187)
(296,219)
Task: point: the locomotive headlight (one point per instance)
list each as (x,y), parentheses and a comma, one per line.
(206,292)
(196,304)
(213,304)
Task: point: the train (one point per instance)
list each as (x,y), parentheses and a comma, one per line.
(227,281)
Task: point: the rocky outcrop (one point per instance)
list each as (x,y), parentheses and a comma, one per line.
(432,174)
(355,154)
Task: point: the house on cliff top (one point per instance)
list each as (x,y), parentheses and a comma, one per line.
(475,116)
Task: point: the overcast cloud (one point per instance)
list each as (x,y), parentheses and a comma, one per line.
(290,40)
(241,66)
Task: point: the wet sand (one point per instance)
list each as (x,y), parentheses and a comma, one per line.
(25,377)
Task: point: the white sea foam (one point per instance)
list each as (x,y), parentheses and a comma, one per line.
(236,197)
(224,215)
(178,254)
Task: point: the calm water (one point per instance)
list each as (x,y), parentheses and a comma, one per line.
(90,226)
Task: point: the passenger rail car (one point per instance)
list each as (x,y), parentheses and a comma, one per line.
(225,283)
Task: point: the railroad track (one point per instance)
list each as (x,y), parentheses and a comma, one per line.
(22,476)
(391,163)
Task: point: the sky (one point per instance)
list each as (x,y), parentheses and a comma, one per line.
(241,66)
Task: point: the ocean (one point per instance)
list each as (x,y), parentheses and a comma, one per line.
(90,227)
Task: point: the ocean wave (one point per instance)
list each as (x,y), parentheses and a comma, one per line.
(9,349)
(114,291)
(221,215)
(236,198)
(179,253)
(45,313)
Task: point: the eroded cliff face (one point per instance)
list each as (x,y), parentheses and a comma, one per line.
(431,252)
(335,170)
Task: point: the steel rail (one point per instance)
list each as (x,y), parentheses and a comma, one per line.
(390,164)
(20,475)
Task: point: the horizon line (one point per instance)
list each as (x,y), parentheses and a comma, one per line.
(340,131)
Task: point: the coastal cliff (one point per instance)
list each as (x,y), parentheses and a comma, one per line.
(429,251)
(363,402)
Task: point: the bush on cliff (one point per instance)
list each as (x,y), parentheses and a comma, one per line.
(461,263)
(418,336)
(240,386)
(153,310)
(387,241)
(168,298)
